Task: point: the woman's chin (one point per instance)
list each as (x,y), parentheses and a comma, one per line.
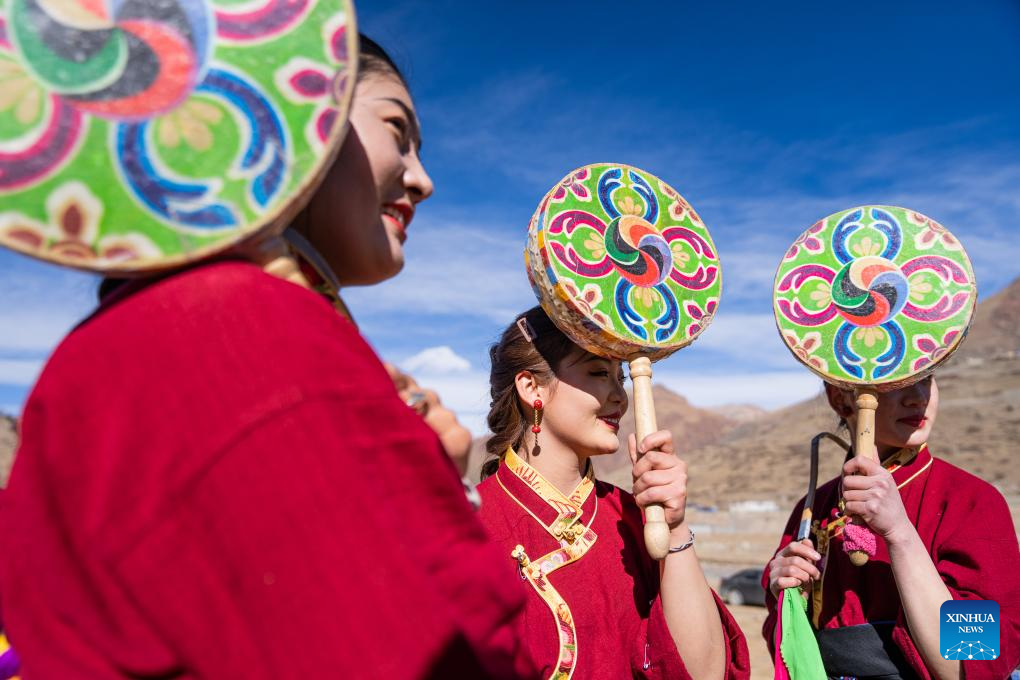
(907,440)
(369,274)
(918,437)
(607,447)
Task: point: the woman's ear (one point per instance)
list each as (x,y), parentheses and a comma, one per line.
(528,389)
(840,401)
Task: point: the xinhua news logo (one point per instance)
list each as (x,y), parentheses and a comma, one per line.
(969,630)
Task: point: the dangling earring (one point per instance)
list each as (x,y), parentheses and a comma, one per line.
(536,428)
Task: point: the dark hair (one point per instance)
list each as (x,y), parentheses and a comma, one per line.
(514,352)
(107,286)
(374,60)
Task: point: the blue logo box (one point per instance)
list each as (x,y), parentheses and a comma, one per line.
(969,630)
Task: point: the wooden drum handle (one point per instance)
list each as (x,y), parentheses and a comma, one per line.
(867,403)
(656,529)
(864,447)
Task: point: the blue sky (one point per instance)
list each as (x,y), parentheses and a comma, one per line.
(766,117)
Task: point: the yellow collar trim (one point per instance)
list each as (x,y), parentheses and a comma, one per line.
(575,540)
(563,505)
(914,476)
(567,527)
(901,458)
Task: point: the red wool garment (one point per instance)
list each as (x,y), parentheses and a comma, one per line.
(217,479)
(966,526)
(593,607)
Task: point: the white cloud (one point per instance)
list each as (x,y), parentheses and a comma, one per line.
(768,390)
(751,338)
(455,269)
(436,360)
(466,393)
(20,371)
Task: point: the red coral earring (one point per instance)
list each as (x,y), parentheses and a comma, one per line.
(536,428)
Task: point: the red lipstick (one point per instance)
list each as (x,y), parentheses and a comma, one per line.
(612,420)
(914,421)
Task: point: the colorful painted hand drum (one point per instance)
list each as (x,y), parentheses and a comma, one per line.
(622,263)
(137,135)
(624,266)
(875,295)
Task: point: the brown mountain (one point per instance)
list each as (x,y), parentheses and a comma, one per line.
(742,413)
(995,330)
(741,452)
(735,453)
(694,427)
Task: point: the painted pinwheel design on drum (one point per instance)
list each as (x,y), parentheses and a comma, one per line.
(169,112)
(629,256)
(874,290)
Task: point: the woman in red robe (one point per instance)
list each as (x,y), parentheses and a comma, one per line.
(217,479)
(598,606)
(943,534)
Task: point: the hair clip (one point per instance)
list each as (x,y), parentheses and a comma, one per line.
(526,330)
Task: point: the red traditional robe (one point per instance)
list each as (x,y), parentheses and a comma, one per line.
(966,525)
(217,479)
(593,607)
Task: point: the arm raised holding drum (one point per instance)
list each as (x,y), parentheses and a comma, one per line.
(626,273)
(622,263)
(873,299)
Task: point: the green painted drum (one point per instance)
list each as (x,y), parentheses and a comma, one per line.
(139,135)
(874,295)
(622,263)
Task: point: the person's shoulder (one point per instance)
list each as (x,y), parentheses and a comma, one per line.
(499,513)
(210,308)
(488,486)
(618,498)
(492,495)
(225,327)
(964,485)
(223,291)
(606,489)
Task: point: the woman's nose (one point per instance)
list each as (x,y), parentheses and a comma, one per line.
(917,394)
(417,179)
(619,394)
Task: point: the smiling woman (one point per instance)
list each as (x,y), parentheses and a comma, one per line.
(613,613)
(221,425)
(359,218)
